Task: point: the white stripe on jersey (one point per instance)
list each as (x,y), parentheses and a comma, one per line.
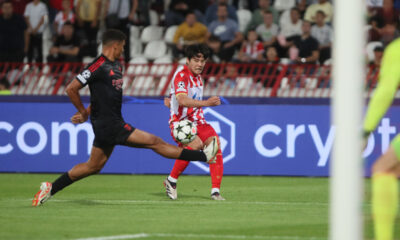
(178,113)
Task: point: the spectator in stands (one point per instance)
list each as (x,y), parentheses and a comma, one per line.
(252,49)
(378,54)
(307,46)
(322,5)
(228,32)
(189,32)
(323,33)
(176,13)
(292,26)
(55,6)
(257,17)
(212,15)
(374,32)
(268,30)
(119,15)
(87,18)
(63,16)
(4,86)
(66,47)
(272,55)
(214,43)
(19,6)
(14,37)
(389,33)
(35,13)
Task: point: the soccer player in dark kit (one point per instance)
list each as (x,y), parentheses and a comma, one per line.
(104,77)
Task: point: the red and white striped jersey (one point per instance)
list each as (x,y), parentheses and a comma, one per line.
(184,82)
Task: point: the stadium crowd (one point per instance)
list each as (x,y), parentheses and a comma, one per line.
(261,31)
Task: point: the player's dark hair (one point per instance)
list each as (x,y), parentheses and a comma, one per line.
(196,49)
(112,35)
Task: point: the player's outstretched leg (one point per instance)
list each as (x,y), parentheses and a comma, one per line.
(216,172)
(97,159)
(142,139)
(170,183)
(385,194)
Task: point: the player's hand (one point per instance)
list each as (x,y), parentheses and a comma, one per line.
(213,101)
(79,117)
(167,102)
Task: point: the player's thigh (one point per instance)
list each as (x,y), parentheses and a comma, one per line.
(142,139)
(206,132)
(99,156)
(389,161)
(196,144)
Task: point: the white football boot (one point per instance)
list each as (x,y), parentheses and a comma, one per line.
(217,196)
(211,150)
(170,190)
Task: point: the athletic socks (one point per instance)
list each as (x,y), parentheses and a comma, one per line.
(384,204)
(192,155)
(217,170)
(60,183)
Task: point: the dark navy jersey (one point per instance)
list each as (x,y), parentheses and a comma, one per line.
(105,83)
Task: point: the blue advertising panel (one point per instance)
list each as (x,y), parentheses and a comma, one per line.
(287,140)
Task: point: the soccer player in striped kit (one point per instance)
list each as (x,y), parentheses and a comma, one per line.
(186,103)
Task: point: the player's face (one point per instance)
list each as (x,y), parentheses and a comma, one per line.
(119,49)
(196,64)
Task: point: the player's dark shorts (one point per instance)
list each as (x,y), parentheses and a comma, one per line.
(111,134)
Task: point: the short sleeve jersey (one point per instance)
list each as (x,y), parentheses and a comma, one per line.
(184,82)
(104,78)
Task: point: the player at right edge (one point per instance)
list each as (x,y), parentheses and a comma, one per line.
(386,169)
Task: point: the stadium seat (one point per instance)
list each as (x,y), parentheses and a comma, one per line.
(154,19)
(136,47)
(244,17)
(169,34)
(134,32)
(370,49)
(282,5)
(151,33)
(155,49)
(163,59)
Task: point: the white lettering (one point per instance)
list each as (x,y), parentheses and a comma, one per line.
(21,138)
(268,128)
(8,147)
(292,134)
(323,149)
(370,146)
(386,130)
(73,130)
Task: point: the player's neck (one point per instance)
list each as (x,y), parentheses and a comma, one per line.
(108,54)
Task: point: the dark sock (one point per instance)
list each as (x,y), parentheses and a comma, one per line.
(192,155)
(173,184)
(60,183)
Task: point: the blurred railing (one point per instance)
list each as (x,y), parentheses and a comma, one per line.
(236,80)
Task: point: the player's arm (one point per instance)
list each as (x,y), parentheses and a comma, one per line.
(389,79)
(73,94)
(186,101)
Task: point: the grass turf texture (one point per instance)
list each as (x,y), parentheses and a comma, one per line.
(275,208)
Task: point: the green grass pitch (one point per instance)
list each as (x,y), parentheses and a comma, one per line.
(110,207)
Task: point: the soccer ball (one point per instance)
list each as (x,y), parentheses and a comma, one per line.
(184,131)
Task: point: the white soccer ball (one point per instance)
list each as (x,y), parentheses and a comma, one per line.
(184,131)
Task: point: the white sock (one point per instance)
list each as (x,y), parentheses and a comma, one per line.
(214,190)
(171,179)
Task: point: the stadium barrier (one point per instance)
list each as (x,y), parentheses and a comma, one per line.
(290,138)
(230,80)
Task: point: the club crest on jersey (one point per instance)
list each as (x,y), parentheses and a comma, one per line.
(117,84)
(86,74)
(181,86)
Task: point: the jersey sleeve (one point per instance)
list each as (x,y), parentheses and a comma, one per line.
(181,84)
(389,79)
(87,75)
